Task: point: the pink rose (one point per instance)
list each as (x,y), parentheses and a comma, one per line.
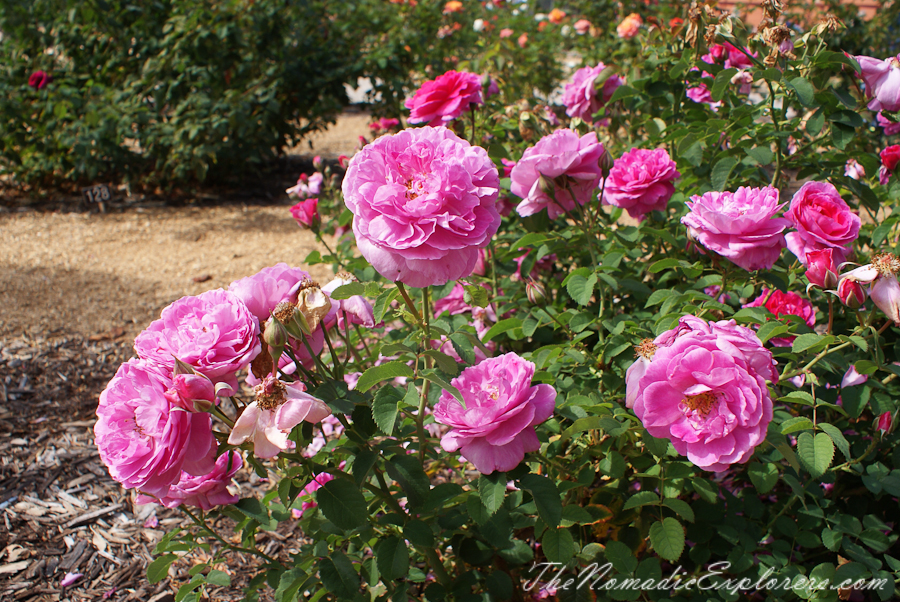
(205,491)
(851,293)
(306,213)
(424,204)
(852,169)
(882,79)
(890,156)
(881,276)
(890,127)
(640,181)
(356,309)
(739,225)
(707,396)
(630,26)
(39,79)
(506,32)
(495,429)
(567,163)
(267,288)
(736,58)
(701,94)
(144,439)
(823,220)
(785,304)
(853,378)
(307,186)
(821,270)
(311,487)
(580,96)
(582,26)
(523,40)
(445,98)
(213,332)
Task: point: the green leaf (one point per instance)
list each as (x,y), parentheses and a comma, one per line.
(252,507)
(621,557)
(641,498)
(289,584)
(385,371)
(408,472)
(475,295)
(662,264)
(838,437)
(463,347)
(558,545)
(667,537)
(681,507)
(804,90)
(392,558)
(345,291)
(792,425)
(772,328)
(419,533)
(382,303)
(546,497)
(842,135)
(810,341)
(342,504)
(720,172)
(385,408)
(492,490)
(623,91)
(219,578)
(501,327)
(815,453)
(722,83)
(831,539)
(159,568)
(444,362)
(763,476)
(581,289)
(434,377)
(338,575)
(761,154)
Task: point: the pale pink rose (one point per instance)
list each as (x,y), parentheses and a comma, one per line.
(144,439)
(882,78)
(704,395)
(633,376)
(852,169)
(495,429)
(739,225)
(445,98)
(278,408)
(853,378)
(213,332)
(823,220)
(567,162)
(356,309)
(580,96)
(701,94)
(630,26)
(640,181)
(307,186)
(70,578)
(263,291)
(523,40)
(506,32)
(881,276)
(205,491)
(890,127)
(424,204)
(785,304)
(582,26)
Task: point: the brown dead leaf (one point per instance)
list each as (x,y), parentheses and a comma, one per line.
(202,278)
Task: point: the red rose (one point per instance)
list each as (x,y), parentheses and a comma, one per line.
(890,157)
(38,80)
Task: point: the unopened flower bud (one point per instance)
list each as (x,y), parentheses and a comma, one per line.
(536,293)
(546,185)
(851,293)
(317,163)
(885,423)
(275,336)
(183,368)
(606,163)
(284,312)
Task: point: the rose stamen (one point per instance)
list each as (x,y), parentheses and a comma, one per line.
(701,404)
(886,263)
(646,349)
(270,394)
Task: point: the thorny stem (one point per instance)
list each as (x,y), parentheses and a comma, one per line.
(410,304)
(202,524)
(830,314)
(779,157)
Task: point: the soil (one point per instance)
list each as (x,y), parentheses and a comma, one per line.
(76,286)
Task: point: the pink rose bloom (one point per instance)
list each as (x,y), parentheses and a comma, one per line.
(736,58)
(640,181)
(884,289)
(569,162)
(739,225)
(823,220)
(311,487)
(495,429)
(306,213)
(507,167)
(785,304)
(582,26)
(853,378)
(444,99)
(204,491)
(852,169)
(357,308)
(890,127)
(267,288)
(581,97)
(882,78)
(630,26)
(39,80)
(701,94)
(890,156)
(144,439)
(307,186)
(523,40)
(278,408)
(213,332)
(506,32)
(851,293)
(821,270)
(704,394)
(424,204)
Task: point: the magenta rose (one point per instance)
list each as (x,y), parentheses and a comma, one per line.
(424,204)
(581,97)
(821,270)
(890,156)
(785,304)
(445,98)
(146,440)
(205,491)
(39,79)
(890,127)
(568,163)
(495,429)
(640,181)
(823,220)
(882,78)
(705,394)
(213,332)
(306,213)
(267,288)
(739,225)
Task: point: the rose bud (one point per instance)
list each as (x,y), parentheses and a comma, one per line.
(851,293)
(820,268)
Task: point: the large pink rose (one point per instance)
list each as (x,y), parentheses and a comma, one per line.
(267,288)
(703,392)
(213,332)
(144,438)
(581,97)
(444,99)
(739,225)
(641,181)
(496,427)
(785,304)
(568,163)
(882,78)
(424,205)
(203,491)
(823,220)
